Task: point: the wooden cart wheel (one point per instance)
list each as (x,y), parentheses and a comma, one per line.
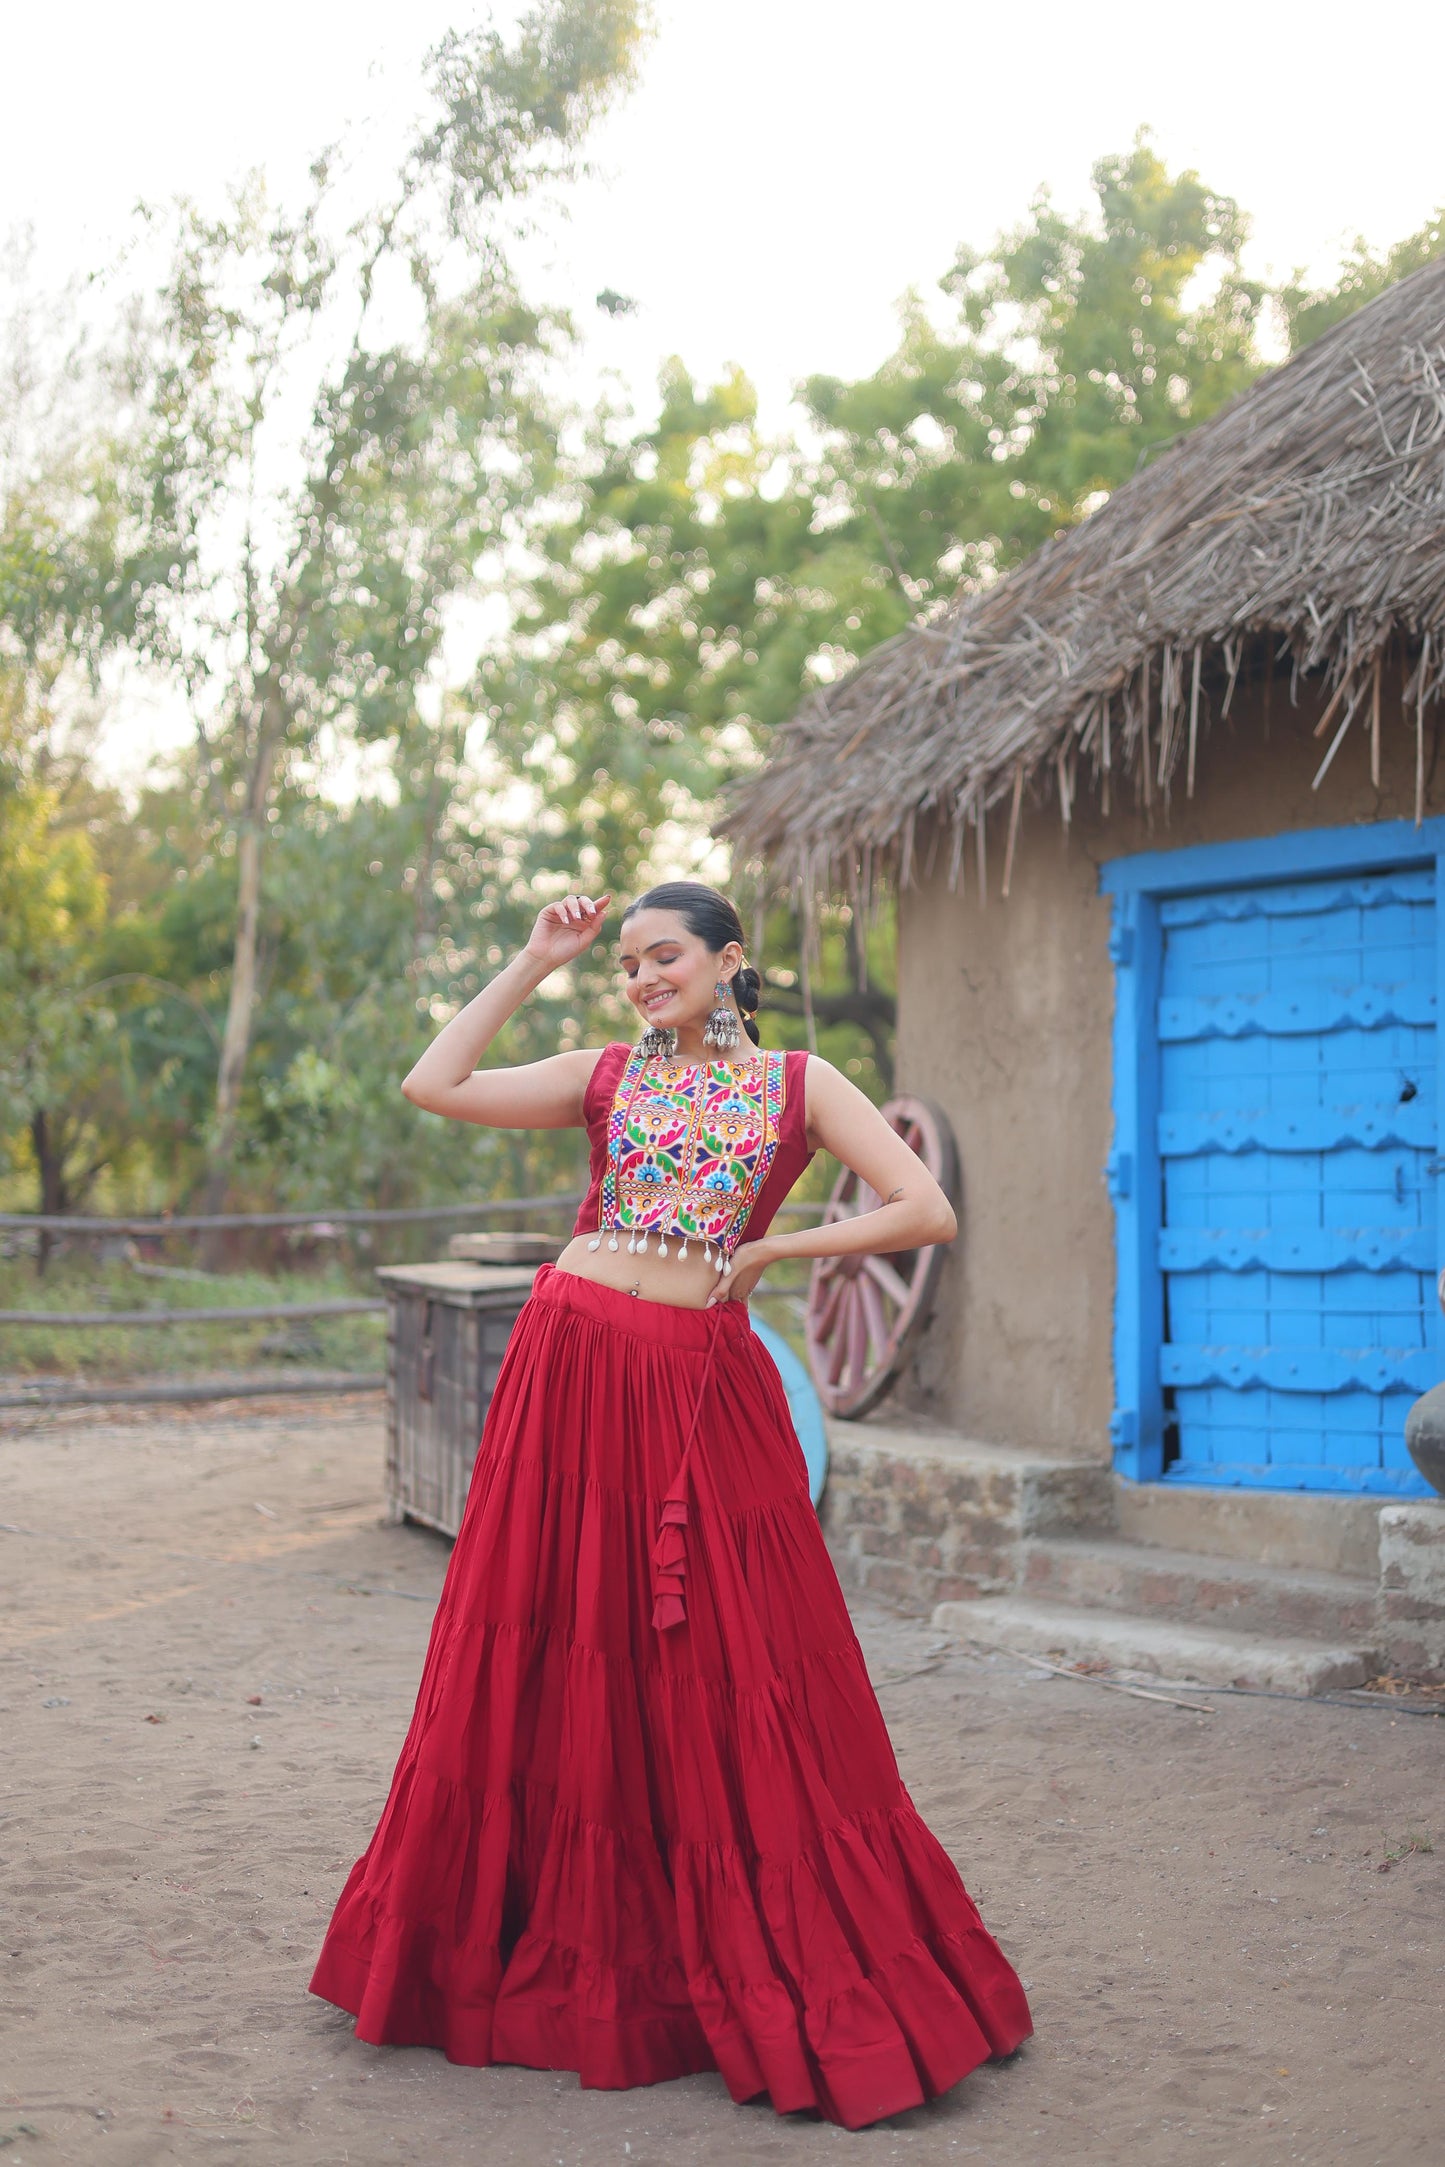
(864,1312)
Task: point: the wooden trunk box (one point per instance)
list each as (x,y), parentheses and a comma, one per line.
(447,1327)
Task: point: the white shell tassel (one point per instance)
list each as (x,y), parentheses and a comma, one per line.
(707,1252)
(717,1264)
(595,1244)
(728,1269)
(642,1247)
(682,1253)
(613,1244)
(661,1246)
(632,1246)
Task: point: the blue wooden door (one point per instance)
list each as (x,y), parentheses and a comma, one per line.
(1297,1142)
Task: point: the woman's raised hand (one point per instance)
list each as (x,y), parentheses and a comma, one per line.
(564,929)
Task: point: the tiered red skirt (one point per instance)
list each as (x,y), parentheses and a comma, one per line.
(640,1852)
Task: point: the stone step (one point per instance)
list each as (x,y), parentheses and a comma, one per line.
(1092,1572)
(1316,1532)
(1160,1647)
(918,1516)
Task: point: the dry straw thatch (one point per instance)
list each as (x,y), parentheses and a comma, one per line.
(1307,518)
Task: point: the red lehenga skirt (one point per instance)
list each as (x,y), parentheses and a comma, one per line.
(647,1820)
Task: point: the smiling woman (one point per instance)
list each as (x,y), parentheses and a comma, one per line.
(647,1819)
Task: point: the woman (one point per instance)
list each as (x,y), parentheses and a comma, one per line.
(647,1820)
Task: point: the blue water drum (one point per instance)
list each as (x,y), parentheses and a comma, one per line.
(804,1406)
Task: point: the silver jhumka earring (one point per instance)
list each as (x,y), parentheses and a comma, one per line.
(657,1043)
(721,1028)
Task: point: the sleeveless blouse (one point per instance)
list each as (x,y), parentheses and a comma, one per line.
(697,1152)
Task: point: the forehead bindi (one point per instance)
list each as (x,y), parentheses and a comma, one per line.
(649,933)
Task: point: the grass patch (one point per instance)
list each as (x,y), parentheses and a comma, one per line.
(112,1353)
(1407,1847)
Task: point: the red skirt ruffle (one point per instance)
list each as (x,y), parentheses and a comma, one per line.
(640,1853)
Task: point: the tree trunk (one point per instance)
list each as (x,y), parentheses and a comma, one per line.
(874,1011)
(240,1010)
(422,899)
(50,1165)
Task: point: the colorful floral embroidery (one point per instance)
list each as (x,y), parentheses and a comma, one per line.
(689,1145)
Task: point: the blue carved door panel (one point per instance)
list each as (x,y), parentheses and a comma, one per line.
(1297,1134)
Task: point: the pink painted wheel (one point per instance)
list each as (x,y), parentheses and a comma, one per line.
(864,1312)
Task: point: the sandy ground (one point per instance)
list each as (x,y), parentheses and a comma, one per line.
(209,1651)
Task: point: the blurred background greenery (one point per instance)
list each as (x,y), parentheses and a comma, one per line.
(303,456)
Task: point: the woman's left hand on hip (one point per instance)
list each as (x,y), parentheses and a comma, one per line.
(750,1261)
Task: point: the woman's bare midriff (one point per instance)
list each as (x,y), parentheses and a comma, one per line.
(682,1283)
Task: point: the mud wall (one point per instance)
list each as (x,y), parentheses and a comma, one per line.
(1005,1019)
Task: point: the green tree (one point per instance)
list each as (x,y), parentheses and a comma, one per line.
(678,591)
(702,579)
(52,903)
(1309,310)
(65,600)
(295,607)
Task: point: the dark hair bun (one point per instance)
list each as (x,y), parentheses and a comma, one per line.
(747,989)
(747,986)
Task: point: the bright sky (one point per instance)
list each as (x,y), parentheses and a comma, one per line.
(786,169)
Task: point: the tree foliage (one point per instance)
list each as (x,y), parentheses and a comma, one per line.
(703,577)
(329,428)
(1309,310)
(301,570)
(52,1058)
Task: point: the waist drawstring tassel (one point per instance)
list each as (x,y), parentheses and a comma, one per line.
(669,1564)
(669,1552)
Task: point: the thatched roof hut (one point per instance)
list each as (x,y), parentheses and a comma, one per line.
(1193,1068)
(1304,525)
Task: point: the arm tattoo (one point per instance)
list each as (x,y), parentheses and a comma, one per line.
(893,1196)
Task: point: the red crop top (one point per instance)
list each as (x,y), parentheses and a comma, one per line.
(691,1151)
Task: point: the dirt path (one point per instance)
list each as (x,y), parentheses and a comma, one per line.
(1220,1970)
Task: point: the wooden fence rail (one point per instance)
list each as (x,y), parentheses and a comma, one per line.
(59,1223)
(262,1313)
(159,1391)
(215,1222)
(152,1391)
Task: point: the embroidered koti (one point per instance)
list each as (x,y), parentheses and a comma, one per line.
(689,1146)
